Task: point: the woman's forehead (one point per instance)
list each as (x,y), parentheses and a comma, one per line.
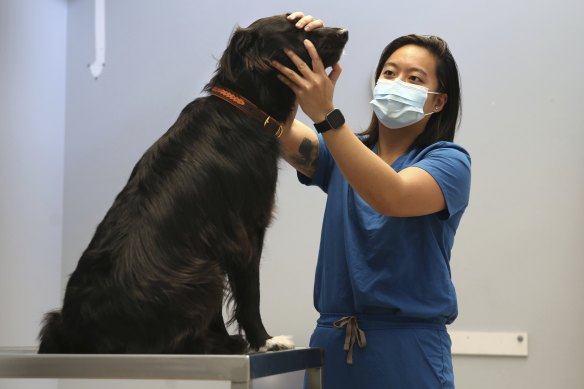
(413,56)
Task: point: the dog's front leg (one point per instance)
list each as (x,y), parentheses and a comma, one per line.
(245,284)
(246,294)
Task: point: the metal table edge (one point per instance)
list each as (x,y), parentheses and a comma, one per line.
(25,363)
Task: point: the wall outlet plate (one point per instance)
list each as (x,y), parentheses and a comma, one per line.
(512,344)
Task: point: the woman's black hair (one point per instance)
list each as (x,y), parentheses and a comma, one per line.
(442,125)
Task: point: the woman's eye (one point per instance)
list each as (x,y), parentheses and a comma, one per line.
(388,73)
(416,80)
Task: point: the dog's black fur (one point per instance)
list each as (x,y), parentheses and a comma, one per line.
(189,225)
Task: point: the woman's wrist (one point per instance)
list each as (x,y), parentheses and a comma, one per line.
(320,115)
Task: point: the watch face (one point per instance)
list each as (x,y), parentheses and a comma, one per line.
(335,119)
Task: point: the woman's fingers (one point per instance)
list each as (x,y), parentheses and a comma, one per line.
(317,65)
(305,70)
(288,83)
(296,15)
(308,22)
(335,73)
(307,74)
(288,76)
(300,64)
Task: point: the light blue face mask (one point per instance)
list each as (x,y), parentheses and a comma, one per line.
(398,104)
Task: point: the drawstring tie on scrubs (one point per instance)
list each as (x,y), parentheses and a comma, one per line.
(352,332)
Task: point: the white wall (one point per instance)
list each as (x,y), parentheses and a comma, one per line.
(517,262)
(32,128)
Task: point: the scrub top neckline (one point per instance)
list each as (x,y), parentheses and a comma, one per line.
(375,149)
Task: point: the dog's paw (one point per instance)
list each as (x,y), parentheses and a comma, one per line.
(282,342)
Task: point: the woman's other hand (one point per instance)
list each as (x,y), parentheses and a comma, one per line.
(307,22)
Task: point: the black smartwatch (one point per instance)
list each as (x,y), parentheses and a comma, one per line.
(334,119)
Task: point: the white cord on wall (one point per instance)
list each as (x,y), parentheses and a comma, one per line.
(96,67)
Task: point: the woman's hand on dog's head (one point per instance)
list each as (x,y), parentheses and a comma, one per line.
(314,88)
(308,22)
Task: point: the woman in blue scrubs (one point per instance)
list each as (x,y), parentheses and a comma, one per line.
(395,197)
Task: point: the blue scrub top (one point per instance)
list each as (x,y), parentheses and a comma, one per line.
(374,264)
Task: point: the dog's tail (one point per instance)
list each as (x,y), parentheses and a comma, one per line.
(52,336)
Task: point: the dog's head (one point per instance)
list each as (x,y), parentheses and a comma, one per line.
(245,66)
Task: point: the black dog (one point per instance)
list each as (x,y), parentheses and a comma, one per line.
(187,230)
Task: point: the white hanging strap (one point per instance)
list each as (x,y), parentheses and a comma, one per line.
(96,67)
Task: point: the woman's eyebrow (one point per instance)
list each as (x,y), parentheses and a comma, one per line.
(415,69)
(411,69)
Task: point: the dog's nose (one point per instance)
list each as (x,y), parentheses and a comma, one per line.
(343,34)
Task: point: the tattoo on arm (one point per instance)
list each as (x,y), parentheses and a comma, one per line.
(305,159)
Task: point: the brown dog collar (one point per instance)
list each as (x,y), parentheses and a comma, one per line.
(249,108)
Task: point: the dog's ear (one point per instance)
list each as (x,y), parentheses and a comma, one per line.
(241,39)
(246,46)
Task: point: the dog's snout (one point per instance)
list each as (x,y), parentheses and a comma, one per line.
(343,34)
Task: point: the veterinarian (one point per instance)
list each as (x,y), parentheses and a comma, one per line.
(396,194)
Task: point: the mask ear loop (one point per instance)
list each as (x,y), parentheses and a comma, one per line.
(435,107)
